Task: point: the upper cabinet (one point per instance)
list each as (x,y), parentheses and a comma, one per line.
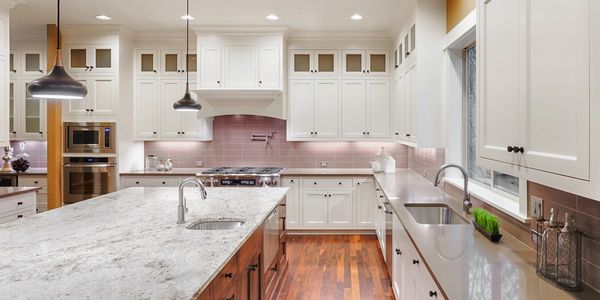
(101,99)
(165,62)
(365,62)
(311,63)
(27,62)
(366,108)
(91,58)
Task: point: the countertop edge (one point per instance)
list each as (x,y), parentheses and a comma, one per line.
(14,191)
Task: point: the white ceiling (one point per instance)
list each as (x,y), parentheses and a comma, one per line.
(163,15)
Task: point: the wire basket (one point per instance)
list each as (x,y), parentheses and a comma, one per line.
(558,255)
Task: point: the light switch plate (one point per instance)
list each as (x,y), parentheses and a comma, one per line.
(537,206)
(199,164)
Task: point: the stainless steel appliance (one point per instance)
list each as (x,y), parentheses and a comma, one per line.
(88,177)
(245,176)
(8,180)
(271,238)
(86,137)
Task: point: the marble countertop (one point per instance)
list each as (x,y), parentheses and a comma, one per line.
(30,171)
(327,172)
(127,245)
(173,172)
(13,190)
(465,263)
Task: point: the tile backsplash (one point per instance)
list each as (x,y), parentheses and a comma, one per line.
(37,150)
(426,161)
(231,146)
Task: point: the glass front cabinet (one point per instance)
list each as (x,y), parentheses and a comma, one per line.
(27,115)
(365,62)
(90,58)
(27,62)
(310,63)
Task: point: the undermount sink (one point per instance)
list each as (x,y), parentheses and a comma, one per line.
(434,213)
(216,224)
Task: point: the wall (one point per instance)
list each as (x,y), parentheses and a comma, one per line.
(426,161)
(456,10)
(231,146)
(37,150)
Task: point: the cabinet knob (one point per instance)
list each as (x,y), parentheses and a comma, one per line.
(41,71)
(292,180)
(509,149)
(87,109)
(379,207)
(415,261)
(260,81)
(398,252)
(315,183)
(19,216)
(137,182)
(397,133)
(368,133)
(340,183)
(91,109)
(252,267)
(358,183)
(164,182)
(329,195)
(41,132)
(154,71)
(14,71)
(368,71)
(183,132)
(407,53)
(14,132)
(432,294)
(153,132)
(35,182)
(520,150)
(408,135)
(19,203)
(91,67)
(380,196)
(219,81)
(364,132)
(229,275)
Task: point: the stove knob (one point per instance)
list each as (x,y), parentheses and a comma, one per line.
(274,183)
(261,182)
(268,182)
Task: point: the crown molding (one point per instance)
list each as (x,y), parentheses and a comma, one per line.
(27,35)
(242,29)
(340,35)
(90,29)
(9,4)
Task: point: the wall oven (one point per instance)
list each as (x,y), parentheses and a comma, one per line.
(88,177)
(88,137)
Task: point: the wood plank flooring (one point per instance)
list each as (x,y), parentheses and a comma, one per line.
(335,267)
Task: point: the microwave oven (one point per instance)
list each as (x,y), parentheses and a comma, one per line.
(86,137)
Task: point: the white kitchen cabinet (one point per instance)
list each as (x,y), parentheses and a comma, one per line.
(17,207)
(364,202)
(366,108)
(41,194)
(91,58)
(4,77)
(240,67)
(147,108)
(314,208)
(399,280)
(27,62)
(150,181)
(365,62)
(399,107)
(27,115)
(171,62)
(269,67)
(100,99)
(210,67)
(531,101)
(146,62)
(292,205)
(340,209)
(314,63)
(314,108)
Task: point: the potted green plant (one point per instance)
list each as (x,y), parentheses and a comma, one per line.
(487,223)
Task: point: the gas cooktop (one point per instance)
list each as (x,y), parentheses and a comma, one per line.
(243,171)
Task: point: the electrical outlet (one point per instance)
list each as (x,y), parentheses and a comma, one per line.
(323,164)
(199,164)
(537,206)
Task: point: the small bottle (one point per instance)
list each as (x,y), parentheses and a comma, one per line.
(168,165)
(567,256)
(550,245)
(151,162)
(160,166)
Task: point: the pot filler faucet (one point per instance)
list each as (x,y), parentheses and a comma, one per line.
(182,208)
(466,198)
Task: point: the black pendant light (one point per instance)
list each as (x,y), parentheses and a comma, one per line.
(57,84)
(187,103)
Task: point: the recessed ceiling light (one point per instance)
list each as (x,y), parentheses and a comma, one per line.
(272,17)
(187,17)
(356,17)
(103,18)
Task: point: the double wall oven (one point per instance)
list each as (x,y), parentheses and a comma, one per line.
(89,161)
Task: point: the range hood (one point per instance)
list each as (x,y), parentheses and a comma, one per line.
(254,101)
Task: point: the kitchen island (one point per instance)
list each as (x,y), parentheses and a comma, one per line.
(127,245)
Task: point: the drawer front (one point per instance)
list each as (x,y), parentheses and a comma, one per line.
(41,182)
(15,203)
(330,183)
(16,216)
(228,276)
(151,181)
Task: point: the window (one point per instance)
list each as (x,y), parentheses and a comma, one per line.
(496,180)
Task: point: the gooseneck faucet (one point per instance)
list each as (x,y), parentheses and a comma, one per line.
(182,208)
(466,198)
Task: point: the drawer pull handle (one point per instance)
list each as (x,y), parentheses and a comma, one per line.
(282,204)
(229,275)
(164,182)
(35,182)
(432,294)
(19,203)
(292,181)
(253,267)
(315,183)
(398,252)
(19,216)
(137,182)
(415,261)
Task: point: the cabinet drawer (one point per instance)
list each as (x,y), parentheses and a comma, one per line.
(16,216)
(227,277)
(15,203)
(331,183)
(41,182)
(151,181)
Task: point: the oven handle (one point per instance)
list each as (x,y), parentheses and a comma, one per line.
(90,165)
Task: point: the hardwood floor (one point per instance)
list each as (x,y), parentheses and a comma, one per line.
(335,267)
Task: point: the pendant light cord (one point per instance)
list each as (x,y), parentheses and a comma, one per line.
(58,25)
(187,42)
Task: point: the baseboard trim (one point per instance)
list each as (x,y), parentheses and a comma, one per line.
(330,231)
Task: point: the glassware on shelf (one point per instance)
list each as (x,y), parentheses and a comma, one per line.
(550,245)
(151,162)
(168,165)
(160,166)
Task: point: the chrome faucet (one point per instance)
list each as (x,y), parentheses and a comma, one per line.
(182,208)
(466,198)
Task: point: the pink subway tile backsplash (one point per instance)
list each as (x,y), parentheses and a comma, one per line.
(231,146)
(37,150)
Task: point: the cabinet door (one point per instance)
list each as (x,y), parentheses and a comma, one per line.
(104,93)
(192,127)
(240,67)
(269,67)
(301,108)
(104,59)
(326,63)
(171,62)
(14,63)
(301,63)
(398,254)
(377,62)
(33,62)
(80,106)
(314,209)
(32,115)
(354,108)
(146,62)
(558,104)
(365,202)
(292,203)
(410,106)
(12,109)
(398,107)
(210,66)
(353,63)
(340,208)
(78,58)
(326,110)
(499,78)
(146,108)
(378,109)
(170,120)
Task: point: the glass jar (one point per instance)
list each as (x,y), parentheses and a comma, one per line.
(151,162)
(568,269)
(550,245)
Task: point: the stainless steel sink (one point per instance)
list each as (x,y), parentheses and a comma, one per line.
(434,213)
(216,224)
